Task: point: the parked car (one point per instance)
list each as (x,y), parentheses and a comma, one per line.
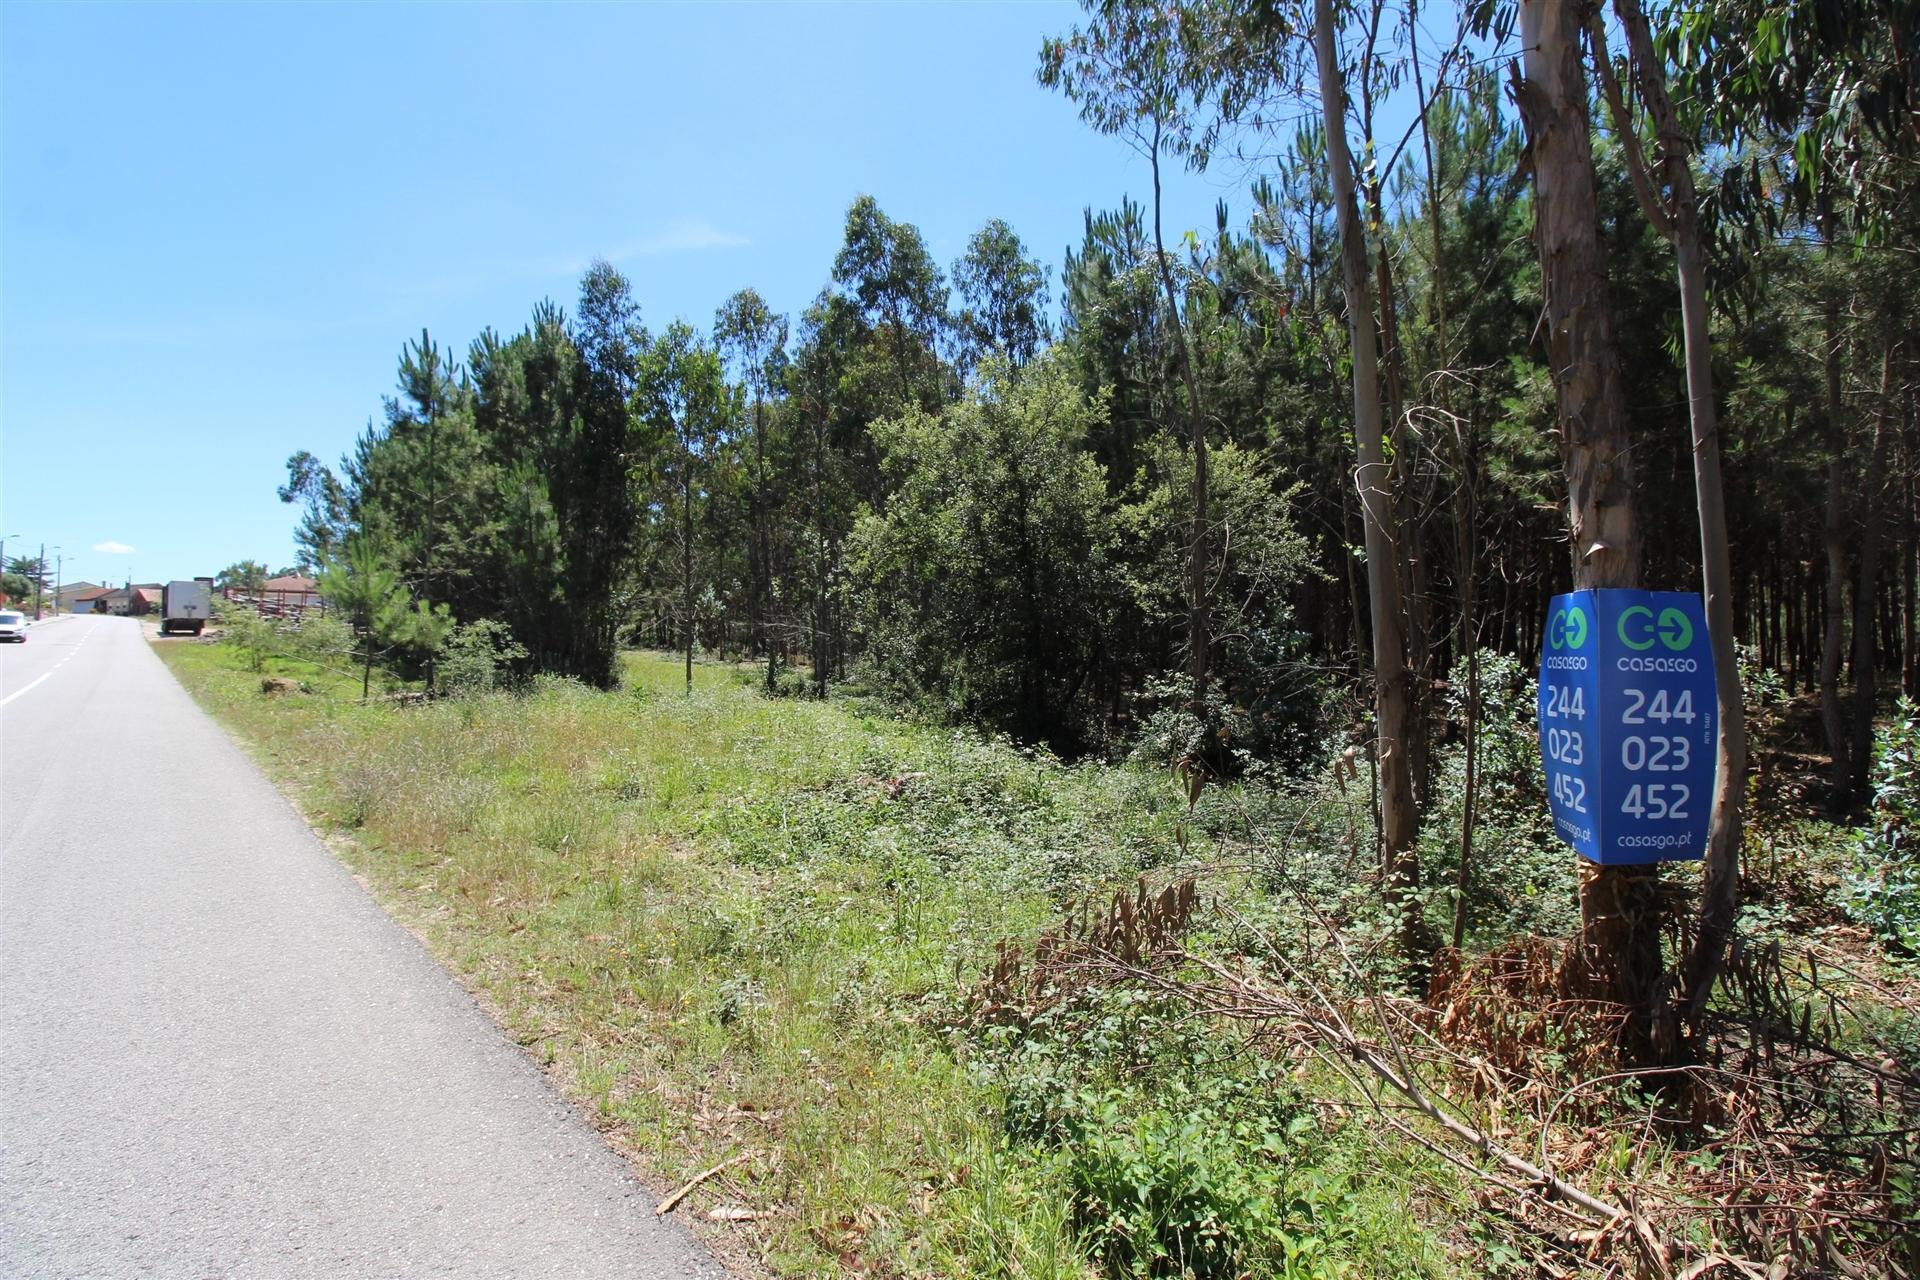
(13,626)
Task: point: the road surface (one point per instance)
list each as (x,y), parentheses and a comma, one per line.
(218,1057)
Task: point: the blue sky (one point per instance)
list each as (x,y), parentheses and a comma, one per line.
(218,224)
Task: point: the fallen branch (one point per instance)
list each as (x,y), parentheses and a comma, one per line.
(667,1205)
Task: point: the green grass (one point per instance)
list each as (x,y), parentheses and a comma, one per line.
(731,924)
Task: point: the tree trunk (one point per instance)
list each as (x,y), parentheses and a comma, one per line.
(1465,499)
(1679,219)
(1912,505)
(1618,905)
(1399,821)
(763,577)
(1833,535)
(1198,639)
(1836,632)
(1867,594)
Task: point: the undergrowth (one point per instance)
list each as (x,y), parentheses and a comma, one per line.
(733,924)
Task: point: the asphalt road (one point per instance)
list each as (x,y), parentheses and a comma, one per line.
(218,1057)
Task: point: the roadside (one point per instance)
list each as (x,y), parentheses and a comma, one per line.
(743,932)
(219,1057)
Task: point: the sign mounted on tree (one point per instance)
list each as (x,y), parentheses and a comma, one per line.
(1627,732)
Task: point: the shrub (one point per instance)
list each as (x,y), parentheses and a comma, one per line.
(477,657)
(1883,889)
(257,638)
(1523,878)
(322,638)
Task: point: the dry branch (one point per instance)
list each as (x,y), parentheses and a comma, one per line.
(667,1205)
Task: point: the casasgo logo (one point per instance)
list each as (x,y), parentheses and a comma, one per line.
(1567,628)
(1639,629)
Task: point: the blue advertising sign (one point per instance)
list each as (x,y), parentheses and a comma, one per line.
(1627,732)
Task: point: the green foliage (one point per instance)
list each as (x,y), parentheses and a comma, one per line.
(1523,878)
(1183,1155)
(34,569)
(887,273)
(320,638)
(1883,887)
(363,586)
(477,657)
(255,637)
(245,576)
(1177,1190)
(985,585)
(323,503)
(1266,704)
(1003,294)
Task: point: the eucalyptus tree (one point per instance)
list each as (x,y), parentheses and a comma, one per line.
(829,404)
(1620,910)
(753,340)
(1003,298)
(682,396)
(886,270)
(1818,106)
(1665,189)
(1392,673)
(1246,63)
(1123,71)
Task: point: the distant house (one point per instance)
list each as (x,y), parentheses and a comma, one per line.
(90,599)
(71,592)
(143,598)
(290,594)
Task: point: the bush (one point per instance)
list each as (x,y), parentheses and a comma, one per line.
(1523,879)
(1883,890)
(257,638)
(322,638)
(477,657)
(1214,736)
(1176,1193)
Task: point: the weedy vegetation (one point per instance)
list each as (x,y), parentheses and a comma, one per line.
(958,1008)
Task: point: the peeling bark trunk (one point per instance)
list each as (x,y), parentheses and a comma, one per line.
(1399,821)
(1619,907)
(1678,219)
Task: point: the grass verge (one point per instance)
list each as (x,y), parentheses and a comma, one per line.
(734,926)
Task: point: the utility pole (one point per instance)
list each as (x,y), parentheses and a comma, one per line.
(39,589)
(57,565)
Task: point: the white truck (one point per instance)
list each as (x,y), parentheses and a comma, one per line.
(185,605)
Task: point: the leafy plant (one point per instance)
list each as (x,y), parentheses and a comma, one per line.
(477,657)
(1883,888)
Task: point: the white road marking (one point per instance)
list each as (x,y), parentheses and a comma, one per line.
(17,692)
(48,675)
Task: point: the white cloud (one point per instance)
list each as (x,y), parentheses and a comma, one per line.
(112,548)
